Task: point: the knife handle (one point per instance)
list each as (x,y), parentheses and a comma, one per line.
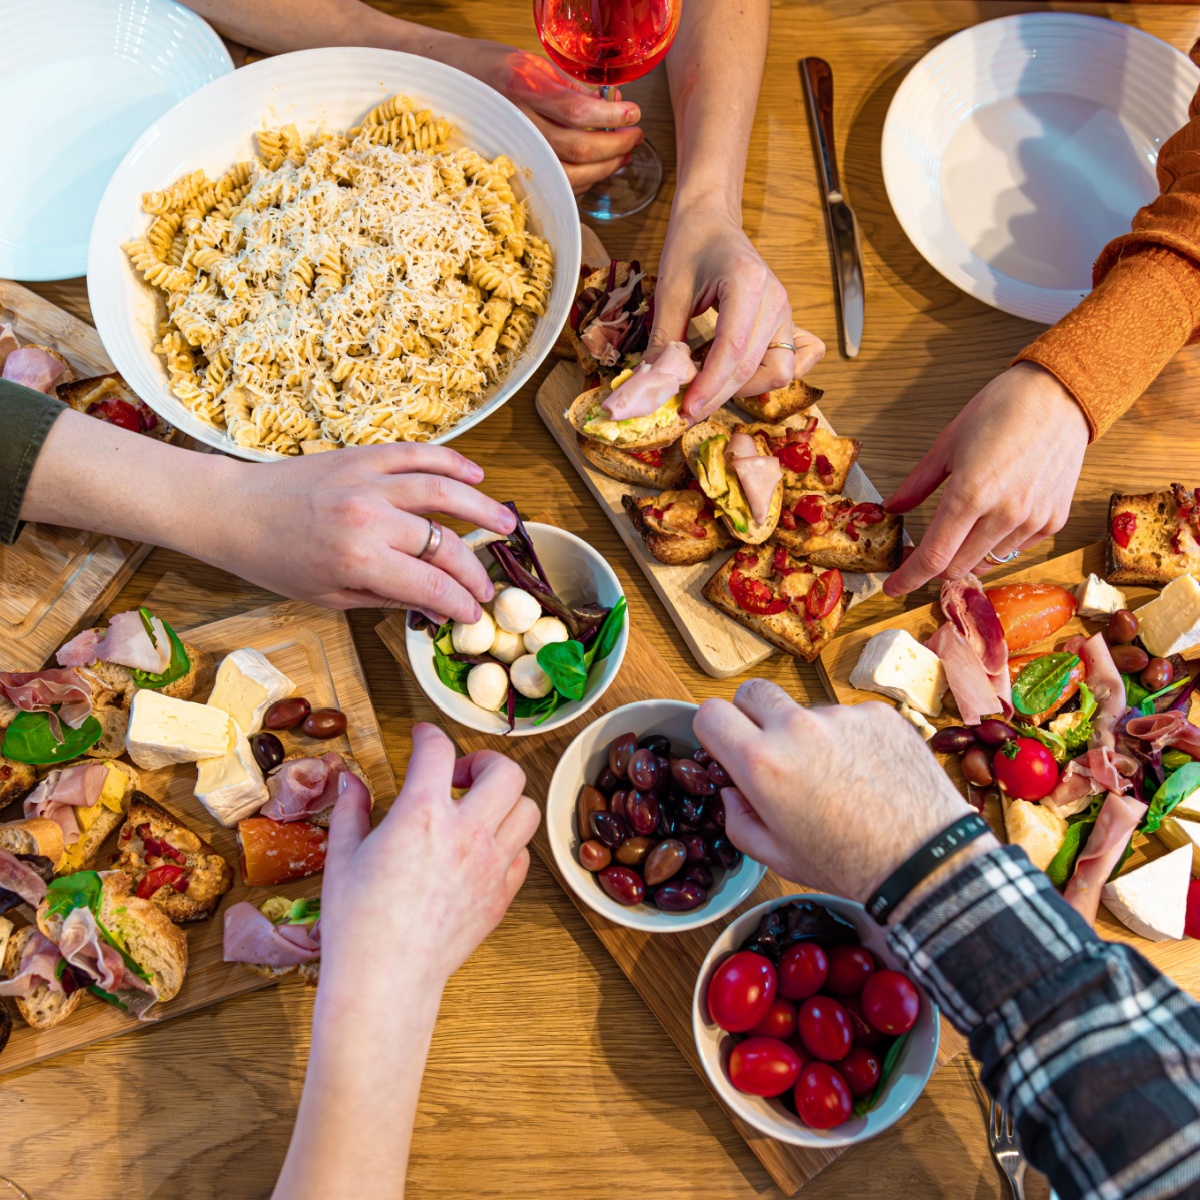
(818,92)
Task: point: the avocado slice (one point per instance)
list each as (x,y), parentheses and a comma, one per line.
(719,485)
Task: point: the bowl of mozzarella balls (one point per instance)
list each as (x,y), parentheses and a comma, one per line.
(546,647)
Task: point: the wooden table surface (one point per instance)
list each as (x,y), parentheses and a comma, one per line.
(549,1078)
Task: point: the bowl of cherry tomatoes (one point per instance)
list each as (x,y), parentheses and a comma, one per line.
(807,1028)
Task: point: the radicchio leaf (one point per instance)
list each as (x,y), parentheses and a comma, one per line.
(1184,698)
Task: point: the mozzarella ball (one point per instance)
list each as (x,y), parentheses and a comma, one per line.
(498,588)
(507,647)
(529,679)
(474,639)
(516,610)
(487,685)
(545,630)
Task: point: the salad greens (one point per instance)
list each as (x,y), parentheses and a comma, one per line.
(1041,682)
(1067,735)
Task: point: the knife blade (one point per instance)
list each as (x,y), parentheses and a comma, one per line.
(841,225)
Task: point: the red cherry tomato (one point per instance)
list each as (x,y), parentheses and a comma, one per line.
(810,509)
(861,1069)
(159,876)
(1191,920)
(825,594)
(1024,768)
(825,1028)
(802,971)
(849,969)
(780,1021)
(864,1035)
(822,1097)
(1124,525)
(796,456)
(741,990)
(753,596)
(763,1066)
(890,1002)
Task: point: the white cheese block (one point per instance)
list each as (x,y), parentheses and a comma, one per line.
(163,730)
(248,683)
(1170,624)
(1098,599)
(6,928)
(895,664)
(1182,833)
(231,786)
(1152,900)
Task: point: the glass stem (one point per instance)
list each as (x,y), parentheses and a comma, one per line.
(606,94)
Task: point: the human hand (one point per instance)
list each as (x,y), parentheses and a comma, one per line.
(345,528)
(1010,460)
(591,136)
(834,798)
(707,261)
(408,902)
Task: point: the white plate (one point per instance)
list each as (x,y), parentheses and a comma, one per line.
(1017,148)
(314,89)
(81,80)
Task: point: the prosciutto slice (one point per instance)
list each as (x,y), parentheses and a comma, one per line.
(37,691)
(252,938)
(968,609)
(759,474)
(974,690)
(602,339)
(1107,686)
(21,879)
(304,787)
(125,642)
(38,966)
(62,792)
(652,384)
(1098,771)
(81,944)
(32,368)
(1164,729)
(1119,817)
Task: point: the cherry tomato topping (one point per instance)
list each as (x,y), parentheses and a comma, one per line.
(779,564)
(117,412)
(1024,768)
(753,595)
(861,1069)
(159,876)
(796,456)
(824,595)
(824,1028)
(866,513)
(780,1021)
(849,969)
(651,457)
(741,991)
(822,1097)
(656,513)
(787,519)
(824,468)
(891,1002)
(1124,525)
(803,969)
(810,509)
(763,1066)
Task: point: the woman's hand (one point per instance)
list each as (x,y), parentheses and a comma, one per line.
(1011,460)
(708,262)
(834,798)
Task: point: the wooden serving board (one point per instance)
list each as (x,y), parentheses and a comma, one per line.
(663,967)
(54,580)
(1180,960)
(314,648)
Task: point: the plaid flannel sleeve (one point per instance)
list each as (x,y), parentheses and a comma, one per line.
(1094,1053)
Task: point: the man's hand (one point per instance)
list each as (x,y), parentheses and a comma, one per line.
(1010,461)
(834,798)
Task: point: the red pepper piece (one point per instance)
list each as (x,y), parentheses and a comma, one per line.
(161,876)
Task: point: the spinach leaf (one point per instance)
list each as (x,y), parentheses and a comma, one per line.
(890,1060)
(177,668)
(29,739)
(1178,786)
(1134,692)
(1087,702)
(1078,828)
(564,662)
(81,890)
(450,671)
(606,639)
(1041,683)
(542,707)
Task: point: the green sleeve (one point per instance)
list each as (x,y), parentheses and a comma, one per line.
(25,418)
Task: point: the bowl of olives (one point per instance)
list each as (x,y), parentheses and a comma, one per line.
(636,822)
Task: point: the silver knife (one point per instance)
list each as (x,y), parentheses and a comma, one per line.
(840,221)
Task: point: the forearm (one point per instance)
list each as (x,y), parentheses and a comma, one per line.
(715,70)
(1084,1043)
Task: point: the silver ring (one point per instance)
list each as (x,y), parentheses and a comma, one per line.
(432,543)
(1002,559)
(781,346)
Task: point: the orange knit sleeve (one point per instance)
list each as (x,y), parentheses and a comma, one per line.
(1145,302)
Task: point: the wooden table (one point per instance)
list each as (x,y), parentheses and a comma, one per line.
(548,1076)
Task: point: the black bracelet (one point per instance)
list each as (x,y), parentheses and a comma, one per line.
(923,863)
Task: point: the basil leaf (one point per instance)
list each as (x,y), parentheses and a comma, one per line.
(453,674)
(1178,786)
(177,668)
(107,997)
(29,739)
(1041,683)
(541,707)
(81,890)
(564,663)
(606,639)
(890,1060)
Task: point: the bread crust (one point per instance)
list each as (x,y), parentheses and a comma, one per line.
(599,279)
(780,403)
(621,465)
(1151,559)
(42,1008)
(675,550)
(81,394)
(586,405)
(879,547)
(756,532)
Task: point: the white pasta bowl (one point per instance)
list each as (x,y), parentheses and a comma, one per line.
(330,89)
(579,575)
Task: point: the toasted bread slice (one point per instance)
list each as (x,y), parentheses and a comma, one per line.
(592,291)
(322,818)
(100,822)
(661,468)
(200,674)
(309,972)
(755,532)
(627,437)
(209,876)
(794,633)
(1163,541)
(43,1008)
(84,394)
(846,535)
(675,541)
(831,456)
(37,835)
(16,778)
(781,403)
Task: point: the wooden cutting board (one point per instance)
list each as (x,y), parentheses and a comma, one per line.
(315,649)
(54,580)
(1180,960)
(662,967)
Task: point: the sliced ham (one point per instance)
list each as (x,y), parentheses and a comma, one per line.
(38,691)
(21,879)
(38,966)
(759,475)
(652,384)
(304,787)
(1119,817)
(1165,729)
(252,938)
(602,339)
(967,607)
(63,791)
(125,642)
(973,689)
(1106,685)
(80,943)
(32,368)
(1098,771)
(8,343)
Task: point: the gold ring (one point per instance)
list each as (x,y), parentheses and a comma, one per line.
(781,346)
(432,543)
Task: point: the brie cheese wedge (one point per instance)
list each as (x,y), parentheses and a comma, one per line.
(1171,624)
(1182,833)
(163,730)
(1098,599)
(1152,899)
(231,786)
(895,664)
(248,683)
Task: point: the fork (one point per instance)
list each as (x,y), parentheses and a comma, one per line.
(1004,1148)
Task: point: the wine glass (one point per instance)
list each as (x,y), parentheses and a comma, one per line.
(609,42)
